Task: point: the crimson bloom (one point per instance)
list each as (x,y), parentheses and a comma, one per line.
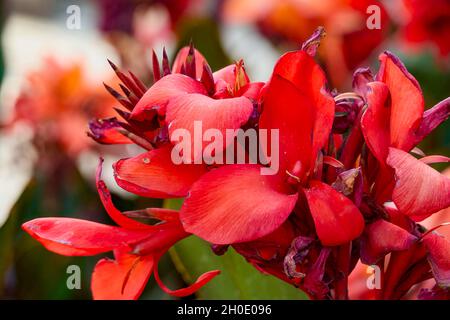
(394,123)
(235,203)
(347,191)
(223,100)
(137,247)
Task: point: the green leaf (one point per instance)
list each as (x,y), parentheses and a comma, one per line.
(238,278)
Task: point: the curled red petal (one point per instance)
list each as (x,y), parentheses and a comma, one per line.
(186,110)
(296,102)
(75,237)
(407,103)
(336,218)
(198,284)
(333,162)
(382,237)
(113,212)
(375,120)
(420,190)
(236,203)
(434,159)
(121,279)
(153,174)
(157,97)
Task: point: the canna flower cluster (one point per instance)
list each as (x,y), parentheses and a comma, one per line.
(351,184)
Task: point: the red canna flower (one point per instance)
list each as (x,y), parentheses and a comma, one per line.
(394,123)
(347,191)
(223,100)
(236,203)
(137,247)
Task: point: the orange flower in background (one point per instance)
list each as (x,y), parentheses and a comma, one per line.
(57,102)
(349,41)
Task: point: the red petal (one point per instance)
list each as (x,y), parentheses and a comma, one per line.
(159,94)
(420,190)
(333,162)
(336,218)
(434,159)
(121,279)
(439,257)
(296,102)
(165,236)
(235,203)
(153,174)
(213,114)
(382,237)
(201,281)
(406,101)
(74,237)
(180,59)
(375,121)
(113,212)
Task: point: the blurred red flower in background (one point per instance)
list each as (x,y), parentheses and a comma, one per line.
(56,102)
(349,41)
(428,23)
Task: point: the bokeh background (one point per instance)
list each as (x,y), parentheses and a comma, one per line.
(51,73)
